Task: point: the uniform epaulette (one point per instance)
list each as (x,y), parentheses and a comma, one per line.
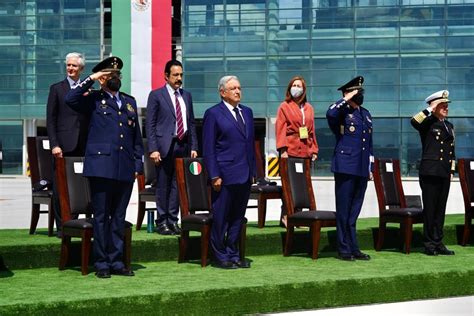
(128,95)
(420,117)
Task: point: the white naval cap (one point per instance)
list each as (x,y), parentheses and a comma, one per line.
(440,95)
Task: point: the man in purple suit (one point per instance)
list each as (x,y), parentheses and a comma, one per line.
(171,134)
(229,155)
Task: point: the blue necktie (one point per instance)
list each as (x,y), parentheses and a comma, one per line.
(240,121)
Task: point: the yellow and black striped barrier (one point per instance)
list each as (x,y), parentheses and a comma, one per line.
(273,166)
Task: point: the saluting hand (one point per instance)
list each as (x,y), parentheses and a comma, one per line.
(97,75)
(194,154)
(349,95)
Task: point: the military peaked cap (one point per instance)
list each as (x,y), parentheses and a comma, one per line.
(354,84)
(440,95)
(112,63)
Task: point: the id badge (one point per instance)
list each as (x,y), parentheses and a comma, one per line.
(303,132)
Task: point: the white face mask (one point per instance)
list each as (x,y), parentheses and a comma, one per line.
(296,92)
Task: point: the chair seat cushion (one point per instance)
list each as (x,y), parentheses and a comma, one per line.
(43,193)
(265,189)
(403,212)
(312,216)
(202,219)
(86,223)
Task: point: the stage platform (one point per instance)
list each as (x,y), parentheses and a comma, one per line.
(34,285)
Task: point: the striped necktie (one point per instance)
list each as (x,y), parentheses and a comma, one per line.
(179,118)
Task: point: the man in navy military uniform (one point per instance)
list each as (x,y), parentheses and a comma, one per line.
(351,164)
(436,169)
(114,154)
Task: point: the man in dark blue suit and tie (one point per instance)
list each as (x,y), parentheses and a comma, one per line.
(67,129)
(229,155)
(171,134)
(114,155)
(352,164)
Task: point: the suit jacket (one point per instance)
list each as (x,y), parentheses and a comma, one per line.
(353,153)
(161,121)
(289,119)
(65,125)
(114,147)
(228,152)
(437,139)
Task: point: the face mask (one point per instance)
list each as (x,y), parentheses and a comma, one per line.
(358,99)
(114,84)
(296,92)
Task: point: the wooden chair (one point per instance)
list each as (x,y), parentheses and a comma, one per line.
(41,176)
(75,199)
(146,187)
(262,190)
(195,207)
(298,195)
(466,177)
(393,203)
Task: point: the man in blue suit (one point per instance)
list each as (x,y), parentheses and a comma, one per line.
(171,134)
(229,155)
(352,164)
(114,154)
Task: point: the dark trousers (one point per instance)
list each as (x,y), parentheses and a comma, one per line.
(167,200)
(435,192)
(350,191)
(109,201)
(228,213)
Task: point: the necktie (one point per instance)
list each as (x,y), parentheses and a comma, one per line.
(240,121)
(116,99)
(179,118)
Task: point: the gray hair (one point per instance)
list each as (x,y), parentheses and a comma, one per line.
(223,81)
(79,56)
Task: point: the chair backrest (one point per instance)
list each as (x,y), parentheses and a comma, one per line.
(259,159)
(466,177)
(40,159)
(388,184)
(296,184)
(73,188)
(148,166)
(193,188)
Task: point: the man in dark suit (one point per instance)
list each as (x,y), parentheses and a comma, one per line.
(114,154)
(171,134)
(437,167)
(229,155)
(352,164)
(67,129)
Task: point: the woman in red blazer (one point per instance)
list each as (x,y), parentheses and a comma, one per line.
(294,127)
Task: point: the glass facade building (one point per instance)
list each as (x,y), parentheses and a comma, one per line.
(35,36)
(405,49)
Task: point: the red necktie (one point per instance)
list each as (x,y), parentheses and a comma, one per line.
(179,118)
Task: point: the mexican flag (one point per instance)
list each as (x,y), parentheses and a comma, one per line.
(141,37)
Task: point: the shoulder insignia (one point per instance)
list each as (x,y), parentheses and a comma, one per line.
(130,108)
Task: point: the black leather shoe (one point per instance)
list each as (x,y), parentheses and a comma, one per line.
(243,264)
(103,274)
(175,228)
(123,272)
(225,265)
(163,229)
(346,257)
(361,256)
(431,252)
(445,251)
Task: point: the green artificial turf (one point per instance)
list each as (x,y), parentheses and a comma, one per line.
(21,250)
(274,283)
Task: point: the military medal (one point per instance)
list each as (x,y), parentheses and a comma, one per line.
(130,107)
(352,129)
